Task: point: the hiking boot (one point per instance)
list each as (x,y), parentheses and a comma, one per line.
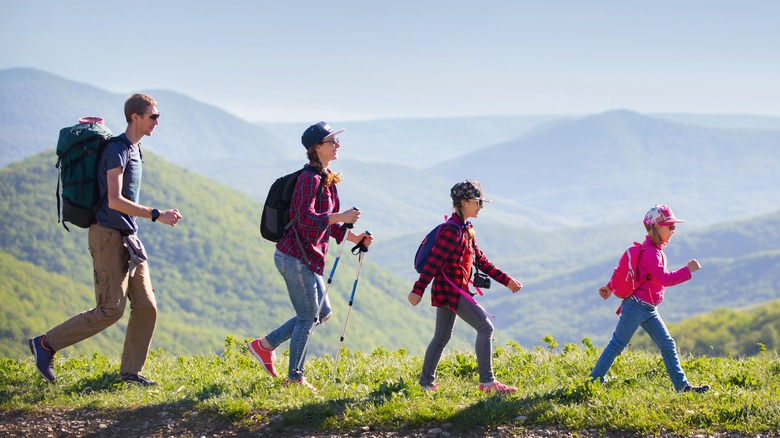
(44,357)
(497,387)
(699,389)
(137,379)
(303,382)
(433,387)
(265,357)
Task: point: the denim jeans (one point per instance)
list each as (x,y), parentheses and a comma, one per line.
(637,313)
(473,315)
(306,290)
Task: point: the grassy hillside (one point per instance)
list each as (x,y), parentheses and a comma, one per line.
(213,273)
(378,392)
(31,297)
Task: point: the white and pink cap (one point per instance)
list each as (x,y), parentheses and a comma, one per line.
(661,215)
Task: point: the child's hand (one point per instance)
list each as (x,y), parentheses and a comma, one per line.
(514,285)
(693,266)
(605,292)
(414,299)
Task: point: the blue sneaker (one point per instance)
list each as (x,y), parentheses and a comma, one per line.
(44,357)
(696,388)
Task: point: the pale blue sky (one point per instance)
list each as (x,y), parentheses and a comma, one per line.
(348,60)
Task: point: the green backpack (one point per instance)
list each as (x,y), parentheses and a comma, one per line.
(78,155)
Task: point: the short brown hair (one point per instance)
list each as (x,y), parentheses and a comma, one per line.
(137,104)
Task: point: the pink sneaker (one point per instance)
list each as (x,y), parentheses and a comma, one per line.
(497,387)
(430,388)
(265,357)
(302,381)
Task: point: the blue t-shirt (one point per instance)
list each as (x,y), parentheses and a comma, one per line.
(118,154)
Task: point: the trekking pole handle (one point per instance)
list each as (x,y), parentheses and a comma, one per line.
(360,247)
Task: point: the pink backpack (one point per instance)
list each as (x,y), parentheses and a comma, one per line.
(625,279)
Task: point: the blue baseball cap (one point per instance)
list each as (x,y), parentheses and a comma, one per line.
(317,133)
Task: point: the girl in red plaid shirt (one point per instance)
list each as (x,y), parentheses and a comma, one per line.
(449,265)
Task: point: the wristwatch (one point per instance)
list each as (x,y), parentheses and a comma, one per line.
(155,214)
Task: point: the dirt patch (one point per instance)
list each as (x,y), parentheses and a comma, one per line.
(164,423)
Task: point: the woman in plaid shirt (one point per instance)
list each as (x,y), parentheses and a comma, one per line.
(449,265)
(300,254)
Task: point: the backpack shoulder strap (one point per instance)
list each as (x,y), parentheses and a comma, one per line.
(124,140)
(321,185)
(648,277)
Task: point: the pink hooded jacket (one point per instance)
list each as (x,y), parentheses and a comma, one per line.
(652,262)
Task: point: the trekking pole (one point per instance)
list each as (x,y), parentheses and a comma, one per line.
(361,250)
(344,227)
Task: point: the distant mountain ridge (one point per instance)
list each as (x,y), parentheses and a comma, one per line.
(608,167)
(566,169)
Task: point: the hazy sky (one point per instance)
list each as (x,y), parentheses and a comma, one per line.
(346,60)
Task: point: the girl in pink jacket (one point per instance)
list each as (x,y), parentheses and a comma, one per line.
(640,308)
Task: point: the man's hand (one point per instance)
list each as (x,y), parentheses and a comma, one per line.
(169,217)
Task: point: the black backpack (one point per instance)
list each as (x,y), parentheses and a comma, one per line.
(79,149)
(275,220)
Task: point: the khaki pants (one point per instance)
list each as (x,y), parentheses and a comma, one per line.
(113,287)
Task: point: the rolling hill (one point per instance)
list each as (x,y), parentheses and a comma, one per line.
(213,273)
(568,194)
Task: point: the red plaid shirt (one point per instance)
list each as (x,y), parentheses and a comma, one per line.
(312,214)
(447,252)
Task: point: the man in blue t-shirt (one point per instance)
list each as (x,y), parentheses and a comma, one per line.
(118,256)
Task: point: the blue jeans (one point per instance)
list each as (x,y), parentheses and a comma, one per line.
(637,313)
(306,290)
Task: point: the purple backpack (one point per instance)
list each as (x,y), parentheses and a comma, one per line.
(424,250)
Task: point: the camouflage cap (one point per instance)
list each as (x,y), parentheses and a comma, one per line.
(468,189)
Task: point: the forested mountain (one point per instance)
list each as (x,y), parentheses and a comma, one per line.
(569,195)
(213,273)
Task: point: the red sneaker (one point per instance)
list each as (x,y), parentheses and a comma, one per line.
(265,357)
(497,387)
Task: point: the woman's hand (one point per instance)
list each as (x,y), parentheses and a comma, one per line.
(693,266)
(605,292)
(414,299)
(349,217)
(366,238)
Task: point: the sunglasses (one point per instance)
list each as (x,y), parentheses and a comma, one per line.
(152,116)
(670,226)
(333,141)
(478,201)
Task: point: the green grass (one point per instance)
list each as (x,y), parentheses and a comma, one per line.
(380,390)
